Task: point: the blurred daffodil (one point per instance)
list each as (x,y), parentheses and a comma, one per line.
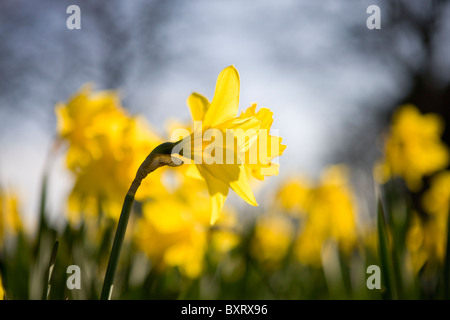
(170,236)
(326,212)
(413,148)
(2,291)
(416,243)
(224,238)
(272,238)
(436,202)
(10,221)
(224,162)
(174,230)
(105,148)
(436,199)
(294,195)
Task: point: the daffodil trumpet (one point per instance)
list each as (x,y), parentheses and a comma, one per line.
(160,156)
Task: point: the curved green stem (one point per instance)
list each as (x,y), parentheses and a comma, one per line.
(160,156)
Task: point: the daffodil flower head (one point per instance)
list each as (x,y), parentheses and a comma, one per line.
(413,148)
(105,147)
(10,221)
(2,291)
(272,238)
(326,210)
(436,202)
(227,148)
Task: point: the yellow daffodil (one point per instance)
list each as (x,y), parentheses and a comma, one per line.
(415,243)
(2,291)
(175,231)
(326,211)
(437,199)
(105,148)
(169,235)
(219,119)
(86,118)
(413,148)
(225,237)
(436,202)
(10,222)
(266,148)
(272,238)
(294,195)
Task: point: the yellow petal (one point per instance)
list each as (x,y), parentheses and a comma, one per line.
(240,123)
(193,172)
(264,115)
(245,131)
(217,201)
(260,171)
(274,148)
(234,176)
(250,111)
(225,103)
(218,192)
(198,105)
(266,118)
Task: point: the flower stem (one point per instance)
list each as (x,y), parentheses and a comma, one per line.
(160,156)
(117,246)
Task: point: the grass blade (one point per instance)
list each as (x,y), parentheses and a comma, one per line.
(117,246)
(383,251)
(49,273)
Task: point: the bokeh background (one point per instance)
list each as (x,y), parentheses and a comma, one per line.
(332,83)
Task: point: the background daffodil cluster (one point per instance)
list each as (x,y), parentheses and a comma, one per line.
(325,210)
(306,239)
(364,179)
(415,184)
(105,146)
